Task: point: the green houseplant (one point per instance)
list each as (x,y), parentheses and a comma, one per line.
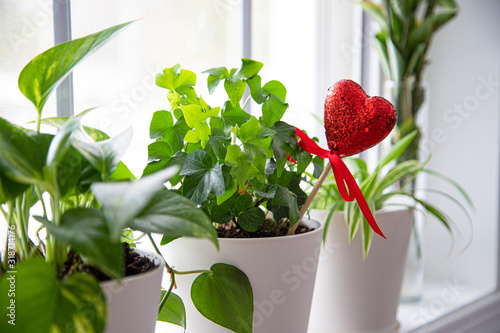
(406,32)
(89,203)
(362,271)
(245,171)
(403,42)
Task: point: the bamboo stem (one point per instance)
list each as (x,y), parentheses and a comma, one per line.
(311,196)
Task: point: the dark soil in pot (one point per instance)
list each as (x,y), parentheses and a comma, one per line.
(270,229)
(134,264)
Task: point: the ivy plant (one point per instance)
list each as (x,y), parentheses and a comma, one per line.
(244,169)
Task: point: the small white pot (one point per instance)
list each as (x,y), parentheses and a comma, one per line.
(353,295)
(133,302)
(281,270)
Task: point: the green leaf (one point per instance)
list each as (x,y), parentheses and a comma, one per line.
(173,310)
(85,229)
(215,76)
(122,172)
(122,202)
(397,149)
(249,68)
(251,220)
(235,88)
(233,115)
(58,122)
(9,189)
(59,147)
(367,234)
(318,164)
(453,183)
(22,153)
(45,304)
(103,155)
(68,172)
(195,117)
(381,48)
(286,198)
(175,78)
(202,177)
(274,107)
(276,89)
(174,216)
(44,73)
(243,202)
(250,129)
(402,170)
(401,8)
(162,128)
(283,138)
(161,124)
(217,144)
(396,61)
(256,91)
(225,297)
(256,139)
(375,11)
(230,185)
(81,305)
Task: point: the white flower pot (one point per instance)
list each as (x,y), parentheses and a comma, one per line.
(281,270)
(133,302)
(353,295)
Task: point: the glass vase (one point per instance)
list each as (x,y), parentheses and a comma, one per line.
(412,108)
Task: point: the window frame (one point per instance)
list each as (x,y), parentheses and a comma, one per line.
(482,313)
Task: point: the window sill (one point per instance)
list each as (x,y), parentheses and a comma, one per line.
(448,306)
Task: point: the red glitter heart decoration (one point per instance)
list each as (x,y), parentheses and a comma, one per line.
(355,121)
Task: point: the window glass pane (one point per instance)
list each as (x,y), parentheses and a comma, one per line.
(27,30)
(119,78)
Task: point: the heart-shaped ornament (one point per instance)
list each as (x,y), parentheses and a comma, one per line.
(355,121)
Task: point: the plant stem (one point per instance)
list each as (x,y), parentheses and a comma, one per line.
(196,271)
(169,291)
(311,196)
(246,102)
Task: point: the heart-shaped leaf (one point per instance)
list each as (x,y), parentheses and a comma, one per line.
(225,297)
(43,303)
(173,311)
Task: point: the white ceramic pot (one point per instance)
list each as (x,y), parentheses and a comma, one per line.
(133,302)
(353,295)
(281,270)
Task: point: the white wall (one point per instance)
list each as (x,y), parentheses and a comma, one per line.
(464,135)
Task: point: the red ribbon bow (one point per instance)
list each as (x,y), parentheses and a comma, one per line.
(342,176)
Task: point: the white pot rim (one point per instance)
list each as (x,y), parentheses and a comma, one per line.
(285,238)
(155,257)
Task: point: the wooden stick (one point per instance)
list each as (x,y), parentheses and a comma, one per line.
(311,196)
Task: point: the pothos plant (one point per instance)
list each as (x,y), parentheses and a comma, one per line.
(86,200)
(245,171)
(380,190)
